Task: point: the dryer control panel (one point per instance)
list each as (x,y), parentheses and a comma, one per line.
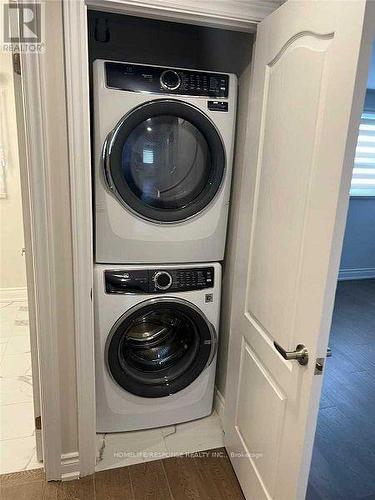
(158,280)
(154,79)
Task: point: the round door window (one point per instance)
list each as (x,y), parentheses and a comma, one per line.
(160,348)
(166,160)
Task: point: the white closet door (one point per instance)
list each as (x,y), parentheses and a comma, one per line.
(310,71)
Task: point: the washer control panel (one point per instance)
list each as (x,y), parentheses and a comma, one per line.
(158,280)
(154,79)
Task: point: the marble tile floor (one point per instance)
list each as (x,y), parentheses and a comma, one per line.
(17,440)
(129,448)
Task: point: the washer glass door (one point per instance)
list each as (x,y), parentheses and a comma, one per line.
(160,348)
(165,161)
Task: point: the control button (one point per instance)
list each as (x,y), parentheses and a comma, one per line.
(170,80)
(162,280)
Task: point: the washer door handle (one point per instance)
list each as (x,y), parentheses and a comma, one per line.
(213,344)
(105,164)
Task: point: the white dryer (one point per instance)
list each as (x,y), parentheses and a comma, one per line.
(155,344)
(163,162)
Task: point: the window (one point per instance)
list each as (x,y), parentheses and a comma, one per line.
(363,180)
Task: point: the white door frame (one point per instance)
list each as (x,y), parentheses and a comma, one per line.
(78,118)
(28,243)
(43,297)
(231,15)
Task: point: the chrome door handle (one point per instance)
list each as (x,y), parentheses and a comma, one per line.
(300,354)
(105,168)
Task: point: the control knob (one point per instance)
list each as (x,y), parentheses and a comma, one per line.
(162,280)
(170,79)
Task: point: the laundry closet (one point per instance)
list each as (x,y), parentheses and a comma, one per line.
(207,236)
(163,141)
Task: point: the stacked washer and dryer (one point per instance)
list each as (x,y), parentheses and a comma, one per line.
(163,160)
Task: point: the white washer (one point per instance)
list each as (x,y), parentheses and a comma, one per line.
(155,344)
(163,162)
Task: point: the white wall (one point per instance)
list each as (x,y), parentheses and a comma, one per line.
(358,253)
(12,263)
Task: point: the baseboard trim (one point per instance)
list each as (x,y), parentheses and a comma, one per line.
(357,274)
(70,468)
(219,404)
(13,294)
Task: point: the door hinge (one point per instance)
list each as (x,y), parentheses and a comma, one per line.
(17,63)
(38,423)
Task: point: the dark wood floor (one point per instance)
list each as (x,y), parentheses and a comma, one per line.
(207,476)
(343,464)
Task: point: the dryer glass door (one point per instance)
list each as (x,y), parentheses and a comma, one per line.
(165,161)
(160,347)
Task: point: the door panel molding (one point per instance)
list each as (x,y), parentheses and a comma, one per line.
(302,34)
(265,269)
(266,440)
